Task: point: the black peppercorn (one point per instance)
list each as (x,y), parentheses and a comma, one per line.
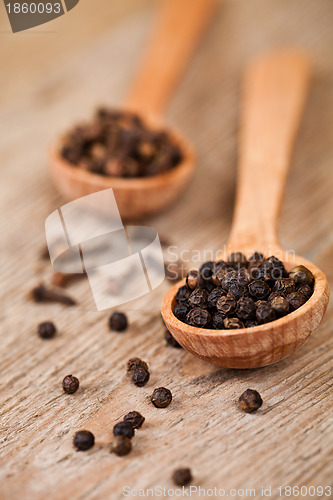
(171,340)
(250,401)
(134,363)
(284,286)
(83,440)
(233,324)
(218,276)
(161,397)
(280,305)
(47,330)
(227,304)
(123,429)
(198,317)
(218,321)
(182,294)
(70,384)
(237,258)
(305,290)
(246,308)
(206,270)
(118,322)
(121,446)
(250,323)
(257,256)
(242,291)
(135,419)
(295,300)
(182,476)
(237,290)
(192,279)
(140,377)
(265,314)
(181,311)
(198,298)
(214,295)
(258,289)
(302,276)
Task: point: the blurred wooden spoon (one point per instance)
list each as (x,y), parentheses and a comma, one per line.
(177,31)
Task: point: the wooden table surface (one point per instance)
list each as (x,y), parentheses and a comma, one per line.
(56,74)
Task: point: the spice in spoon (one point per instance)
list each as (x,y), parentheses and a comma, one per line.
(120,144)
(241,293)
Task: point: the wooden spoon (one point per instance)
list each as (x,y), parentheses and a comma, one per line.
(178,29)
(275,91)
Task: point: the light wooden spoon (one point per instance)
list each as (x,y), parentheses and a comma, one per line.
(275,90)
(176,33)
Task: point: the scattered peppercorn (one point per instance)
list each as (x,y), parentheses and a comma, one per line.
(246,292)
(140,377)
(134,363)
(121,446)
(250,401)
(171,340)
(83,440)
(135,419)
(47,330)
(70,384)
(265,313)
(161,397)
(119,143)
(182,476)
(118,322)
(123,429)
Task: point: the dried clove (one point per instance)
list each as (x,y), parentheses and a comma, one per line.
(42,294)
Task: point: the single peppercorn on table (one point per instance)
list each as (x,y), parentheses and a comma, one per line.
(55,78)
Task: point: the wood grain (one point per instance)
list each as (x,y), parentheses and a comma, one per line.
(289,440)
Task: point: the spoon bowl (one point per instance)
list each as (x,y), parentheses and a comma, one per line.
(257,346)
(275,91)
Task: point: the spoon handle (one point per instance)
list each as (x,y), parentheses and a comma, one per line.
(178,28)
(275,90)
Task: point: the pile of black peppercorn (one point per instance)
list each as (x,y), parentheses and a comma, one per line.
(242,293)
(118,143)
